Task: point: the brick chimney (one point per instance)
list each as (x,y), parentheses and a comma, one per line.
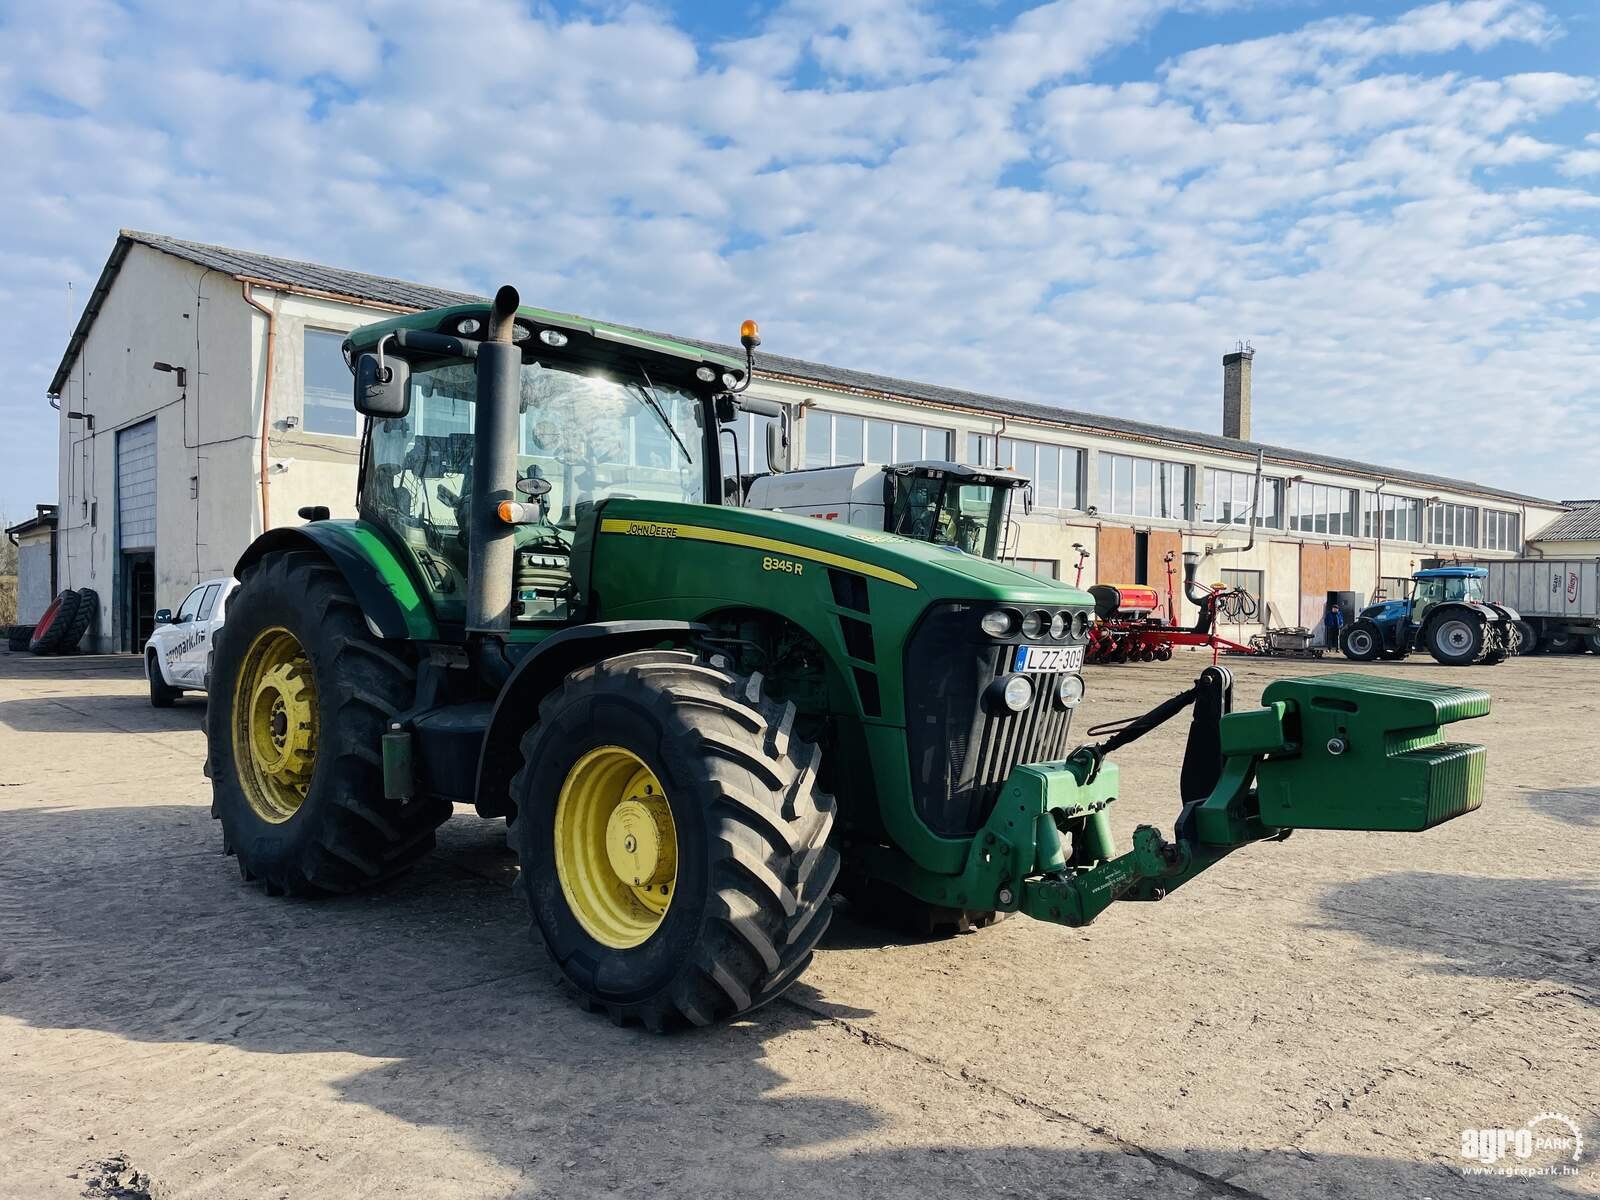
(1236,392)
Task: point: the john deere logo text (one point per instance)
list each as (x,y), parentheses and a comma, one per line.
(650,529)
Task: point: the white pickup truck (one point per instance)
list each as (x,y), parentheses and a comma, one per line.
(177,658)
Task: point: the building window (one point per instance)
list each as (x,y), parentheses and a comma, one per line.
(833,439)
(1056,471)
(1501,530)
(1453,525)
(1225,499)
(1142,487)
(1402,517)
(1250,582)
(1047,568)
(1318,508)
(328,406)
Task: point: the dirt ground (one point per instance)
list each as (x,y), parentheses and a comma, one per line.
(1321,1017)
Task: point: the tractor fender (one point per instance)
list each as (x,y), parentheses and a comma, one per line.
(1503,611)
(538,673)
(1453,608)
(389,597)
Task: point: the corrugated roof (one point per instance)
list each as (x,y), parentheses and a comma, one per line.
(1580,525)
(315,279)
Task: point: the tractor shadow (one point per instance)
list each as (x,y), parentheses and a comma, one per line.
(444,1017)
(1532,929)
(101,714)
(1575,806)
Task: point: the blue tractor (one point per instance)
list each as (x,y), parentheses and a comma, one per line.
(1446,615)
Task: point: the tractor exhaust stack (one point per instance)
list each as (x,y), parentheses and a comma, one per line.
(491,550)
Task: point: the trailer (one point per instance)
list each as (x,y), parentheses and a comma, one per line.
(1556,599)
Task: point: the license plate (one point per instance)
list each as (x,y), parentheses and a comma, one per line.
(1032,660)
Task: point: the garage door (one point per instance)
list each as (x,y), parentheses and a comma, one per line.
(1323,569)
(136,486)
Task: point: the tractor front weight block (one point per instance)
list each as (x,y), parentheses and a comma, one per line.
(1347,752)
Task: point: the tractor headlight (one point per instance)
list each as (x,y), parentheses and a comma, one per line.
(1069,691)
(1080,623)
(1034,624)
(1059,623)
(1018,693)
(1001,622)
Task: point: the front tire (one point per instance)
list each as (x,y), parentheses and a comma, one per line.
(162,693)
(1457,641)
(673,840)
(1363,641)
(302,693)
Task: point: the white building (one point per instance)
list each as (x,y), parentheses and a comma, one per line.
(1574,534)
(204,397)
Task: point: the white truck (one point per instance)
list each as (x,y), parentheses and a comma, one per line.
(177,658)
(944,502)
(1558,600)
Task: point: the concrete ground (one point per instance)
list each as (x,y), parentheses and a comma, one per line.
(1320,1018)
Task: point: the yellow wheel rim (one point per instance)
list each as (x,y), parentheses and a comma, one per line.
(275,725)
(616,847)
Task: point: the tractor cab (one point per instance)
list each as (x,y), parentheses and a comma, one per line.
(942,503)
(591,413)
(951,504)
(1438,585)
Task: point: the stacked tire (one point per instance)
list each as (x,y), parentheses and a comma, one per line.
(65,622)
(18,636)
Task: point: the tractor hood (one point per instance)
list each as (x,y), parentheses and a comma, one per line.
(1387,610)
(932,572)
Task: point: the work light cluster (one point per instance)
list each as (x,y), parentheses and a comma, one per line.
(1036,623)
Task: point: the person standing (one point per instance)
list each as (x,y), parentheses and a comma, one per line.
(1333,624)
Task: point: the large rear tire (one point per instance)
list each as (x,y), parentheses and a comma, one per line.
(1527,638)
(1458,640)
(302,693)
(673,840)
(51,630)
(1559,640)
(82,617)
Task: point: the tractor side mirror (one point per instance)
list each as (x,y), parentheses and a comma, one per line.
(383,386)
(163,616)
(778,445)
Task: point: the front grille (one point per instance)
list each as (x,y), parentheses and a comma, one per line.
(960,751)
(1038,734)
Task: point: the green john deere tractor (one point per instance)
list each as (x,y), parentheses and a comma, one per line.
(690,713)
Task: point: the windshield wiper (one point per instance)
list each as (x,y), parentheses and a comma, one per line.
(649,394)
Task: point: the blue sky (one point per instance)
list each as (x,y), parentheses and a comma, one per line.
(1081,202)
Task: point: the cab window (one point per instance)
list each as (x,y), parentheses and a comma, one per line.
(191,604)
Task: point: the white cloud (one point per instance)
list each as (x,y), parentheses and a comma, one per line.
(885,185)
